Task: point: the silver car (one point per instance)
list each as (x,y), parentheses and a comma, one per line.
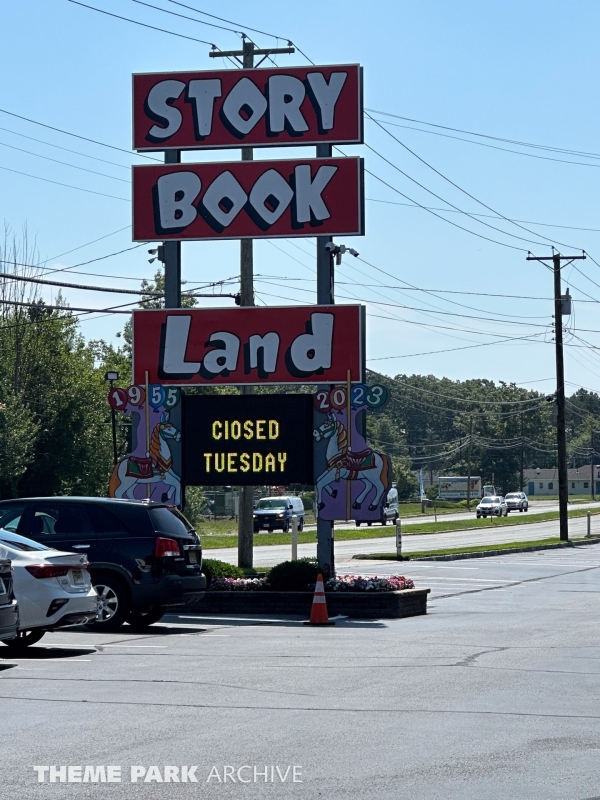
(492,506)
(517,501)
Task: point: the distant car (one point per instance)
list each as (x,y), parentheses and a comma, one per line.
(492,506)
(53,588)
(389,509)
(273,513)
(517,501)
(9,612)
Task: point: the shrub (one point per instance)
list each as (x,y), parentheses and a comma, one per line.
(213,568)
(238,584)
(293,576)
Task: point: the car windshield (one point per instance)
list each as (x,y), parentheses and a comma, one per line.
(169,520)
(271,502)
(487,501)
(513,496)
(20,542)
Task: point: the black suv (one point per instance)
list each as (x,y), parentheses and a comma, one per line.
(143,556)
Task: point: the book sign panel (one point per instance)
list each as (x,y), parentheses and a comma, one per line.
(256,108)
(248,199)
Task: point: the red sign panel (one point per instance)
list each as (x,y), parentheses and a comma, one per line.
(248,199)
(255,108)
(295,344)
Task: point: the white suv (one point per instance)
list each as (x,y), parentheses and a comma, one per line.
(517,501)
(494,505)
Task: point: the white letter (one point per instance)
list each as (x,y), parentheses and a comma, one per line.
(137,772)
(113,774)
(318,342)
(158,104)
(283,777)
(175,211)
(244,94)
(240,779)
(41,771)
(308,193)
(177,332)
(224,188)
(222,358)
(271,187)
(286,94)
(228,773)
(326,95)
(216,775)
(269,344)
(202,93)
(59,773)
(153,774)
(189,773)
(299,778)
(74,774)
(172,775)
(258,772)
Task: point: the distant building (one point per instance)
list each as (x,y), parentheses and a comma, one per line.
(539,482)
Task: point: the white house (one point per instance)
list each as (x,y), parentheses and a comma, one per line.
(539,482)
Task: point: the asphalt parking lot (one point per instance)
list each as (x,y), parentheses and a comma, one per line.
(495,693)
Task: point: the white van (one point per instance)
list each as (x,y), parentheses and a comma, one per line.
(389,509)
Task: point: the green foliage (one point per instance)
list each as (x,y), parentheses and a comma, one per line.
(293,576)
(213,568)
(406,483)
(431,492)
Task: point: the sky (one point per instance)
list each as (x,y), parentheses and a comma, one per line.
(439,77)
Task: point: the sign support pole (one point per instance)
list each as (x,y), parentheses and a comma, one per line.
(325,296)
(172,254)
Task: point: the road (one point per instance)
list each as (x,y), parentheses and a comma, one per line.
(269,555)
(494,694)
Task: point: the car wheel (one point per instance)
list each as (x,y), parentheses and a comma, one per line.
(24,639)
(256,529)
(139,620)
(478,516)
(526,507)
(369,523)
(113,603)
(286,527)
(521,509)
(396,519)
(357,523)
(384,520)
(301,525)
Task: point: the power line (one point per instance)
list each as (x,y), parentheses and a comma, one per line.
(64,163)
(464,191)
(221,19)
(67,185)
(143,24)
(70,150)
(185,16)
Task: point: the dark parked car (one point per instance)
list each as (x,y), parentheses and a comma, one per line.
(9,615)
(143,556)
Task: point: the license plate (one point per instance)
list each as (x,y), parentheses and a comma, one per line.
(265,524)
(77,577)
(193,556)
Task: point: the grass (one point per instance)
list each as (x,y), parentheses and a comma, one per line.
(211,541)
(456,550)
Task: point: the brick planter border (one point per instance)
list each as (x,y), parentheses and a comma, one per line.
(360,605)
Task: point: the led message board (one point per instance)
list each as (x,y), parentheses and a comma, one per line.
(247,440)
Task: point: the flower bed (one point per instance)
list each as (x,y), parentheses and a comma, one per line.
(342,583)
(359,583)
(238,584)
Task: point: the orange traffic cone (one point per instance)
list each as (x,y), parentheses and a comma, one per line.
(318,611)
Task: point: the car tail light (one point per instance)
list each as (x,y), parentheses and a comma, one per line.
(52,570)
(166,547)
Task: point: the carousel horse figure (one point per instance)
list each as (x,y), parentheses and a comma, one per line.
(157,467)
(368,466)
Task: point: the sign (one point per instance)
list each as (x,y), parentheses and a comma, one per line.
(293,344)
(152,470)
(455,487)
(248,199)
(246,440)
(255,108)
(352,479)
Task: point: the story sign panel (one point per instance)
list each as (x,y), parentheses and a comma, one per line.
(247,440)
(248,199)
(256,108)
(291,344)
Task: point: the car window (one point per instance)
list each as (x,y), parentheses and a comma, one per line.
(270,502)
(10,516)
(50,519)
(103,520)
(20,542)
(169,520)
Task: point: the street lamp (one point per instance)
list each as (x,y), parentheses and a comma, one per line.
(111,377)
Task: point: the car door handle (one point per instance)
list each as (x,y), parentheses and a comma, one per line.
(80,546)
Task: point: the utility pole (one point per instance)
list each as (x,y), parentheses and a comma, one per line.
(246,502)
(522,452)
(592,461)
(561,434)
(469,462)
